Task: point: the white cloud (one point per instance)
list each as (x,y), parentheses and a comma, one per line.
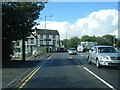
(97,23)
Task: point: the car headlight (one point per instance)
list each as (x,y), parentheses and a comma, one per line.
(104,58)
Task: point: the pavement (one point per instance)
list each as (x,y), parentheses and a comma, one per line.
(17,68)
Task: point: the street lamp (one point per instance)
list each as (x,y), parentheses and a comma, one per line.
(66,37)
(45,19)
(114,40)
(46,33)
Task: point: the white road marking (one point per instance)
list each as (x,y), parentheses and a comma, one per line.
(76,62)
(50,56)
(70,57)
(106,83)
(78,66)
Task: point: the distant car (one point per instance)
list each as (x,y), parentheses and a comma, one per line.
(72,51)
(80,48)
(104,56)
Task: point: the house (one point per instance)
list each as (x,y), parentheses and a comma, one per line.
(30,46)
(48,39)
(42,40)
(62,46)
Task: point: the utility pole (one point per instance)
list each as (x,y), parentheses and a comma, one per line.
(46,33)
(66,38)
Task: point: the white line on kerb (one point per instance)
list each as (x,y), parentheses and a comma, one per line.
(110,86)
(18,77)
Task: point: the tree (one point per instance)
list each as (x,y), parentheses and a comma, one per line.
(109,38)
(17,21)
(65,42)
(118,44)
(73,42)
(87,38)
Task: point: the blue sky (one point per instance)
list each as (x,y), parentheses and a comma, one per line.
(71,11)
(82,18)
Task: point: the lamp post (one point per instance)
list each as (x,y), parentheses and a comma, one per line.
(66,37)
(114,40)
(46,33)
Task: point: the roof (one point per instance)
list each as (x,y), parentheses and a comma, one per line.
(47,32)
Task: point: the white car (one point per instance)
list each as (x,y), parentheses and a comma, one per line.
(72,51)
(80,48)
(104,56)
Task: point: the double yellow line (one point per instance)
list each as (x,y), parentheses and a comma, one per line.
(23,82)
(27,78)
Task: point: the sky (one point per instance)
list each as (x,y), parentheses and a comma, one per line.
(80,18)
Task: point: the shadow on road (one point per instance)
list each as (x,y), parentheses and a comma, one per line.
(111,67)
(60,62)
(20,64)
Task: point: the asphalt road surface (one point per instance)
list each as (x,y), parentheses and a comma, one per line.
(62,70)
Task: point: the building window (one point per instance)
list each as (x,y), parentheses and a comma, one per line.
(47,42)
(57,42)
(47,36)
(32,40)
(17,43)
(41,36)
(54,37)
(26,41)
(41,42)
(54,42)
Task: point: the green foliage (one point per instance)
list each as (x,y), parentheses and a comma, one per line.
(17,21)
(109,38)
(104,40)
(73,42)
(118,43)
(18,18)
(87,38)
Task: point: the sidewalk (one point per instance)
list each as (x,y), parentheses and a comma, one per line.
(30,57)
(16,68)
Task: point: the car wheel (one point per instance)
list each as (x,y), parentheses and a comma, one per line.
(97,63)
(89,61)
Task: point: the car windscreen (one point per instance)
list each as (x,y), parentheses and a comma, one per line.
(107,50)
(72,49)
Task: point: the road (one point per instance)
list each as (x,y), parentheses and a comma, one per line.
(62,70)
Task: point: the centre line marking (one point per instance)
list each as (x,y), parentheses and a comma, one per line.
(50,56)
(26,77)
(29,77)
(31,74)
(110,86)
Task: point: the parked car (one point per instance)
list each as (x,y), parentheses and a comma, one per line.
(104,56)
(72,51)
